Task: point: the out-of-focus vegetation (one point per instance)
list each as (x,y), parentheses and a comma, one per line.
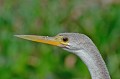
(21,59)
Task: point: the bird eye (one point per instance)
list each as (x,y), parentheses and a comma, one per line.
(65,39)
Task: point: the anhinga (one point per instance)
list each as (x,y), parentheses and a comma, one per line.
(79,44)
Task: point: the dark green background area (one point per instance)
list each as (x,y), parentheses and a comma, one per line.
(22,59)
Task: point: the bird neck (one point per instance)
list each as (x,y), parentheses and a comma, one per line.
(95,63)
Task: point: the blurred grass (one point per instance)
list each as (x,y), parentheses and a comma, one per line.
(21,59)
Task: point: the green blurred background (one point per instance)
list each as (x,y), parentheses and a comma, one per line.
(22,59)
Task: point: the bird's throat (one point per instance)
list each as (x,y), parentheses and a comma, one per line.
(95,64)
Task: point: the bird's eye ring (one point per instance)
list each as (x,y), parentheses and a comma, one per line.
(65,39)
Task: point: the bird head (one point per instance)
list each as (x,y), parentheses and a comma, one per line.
(68,41)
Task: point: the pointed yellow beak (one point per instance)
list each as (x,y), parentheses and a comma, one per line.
(42,39)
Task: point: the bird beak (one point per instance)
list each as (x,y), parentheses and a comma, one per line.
(42,39)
